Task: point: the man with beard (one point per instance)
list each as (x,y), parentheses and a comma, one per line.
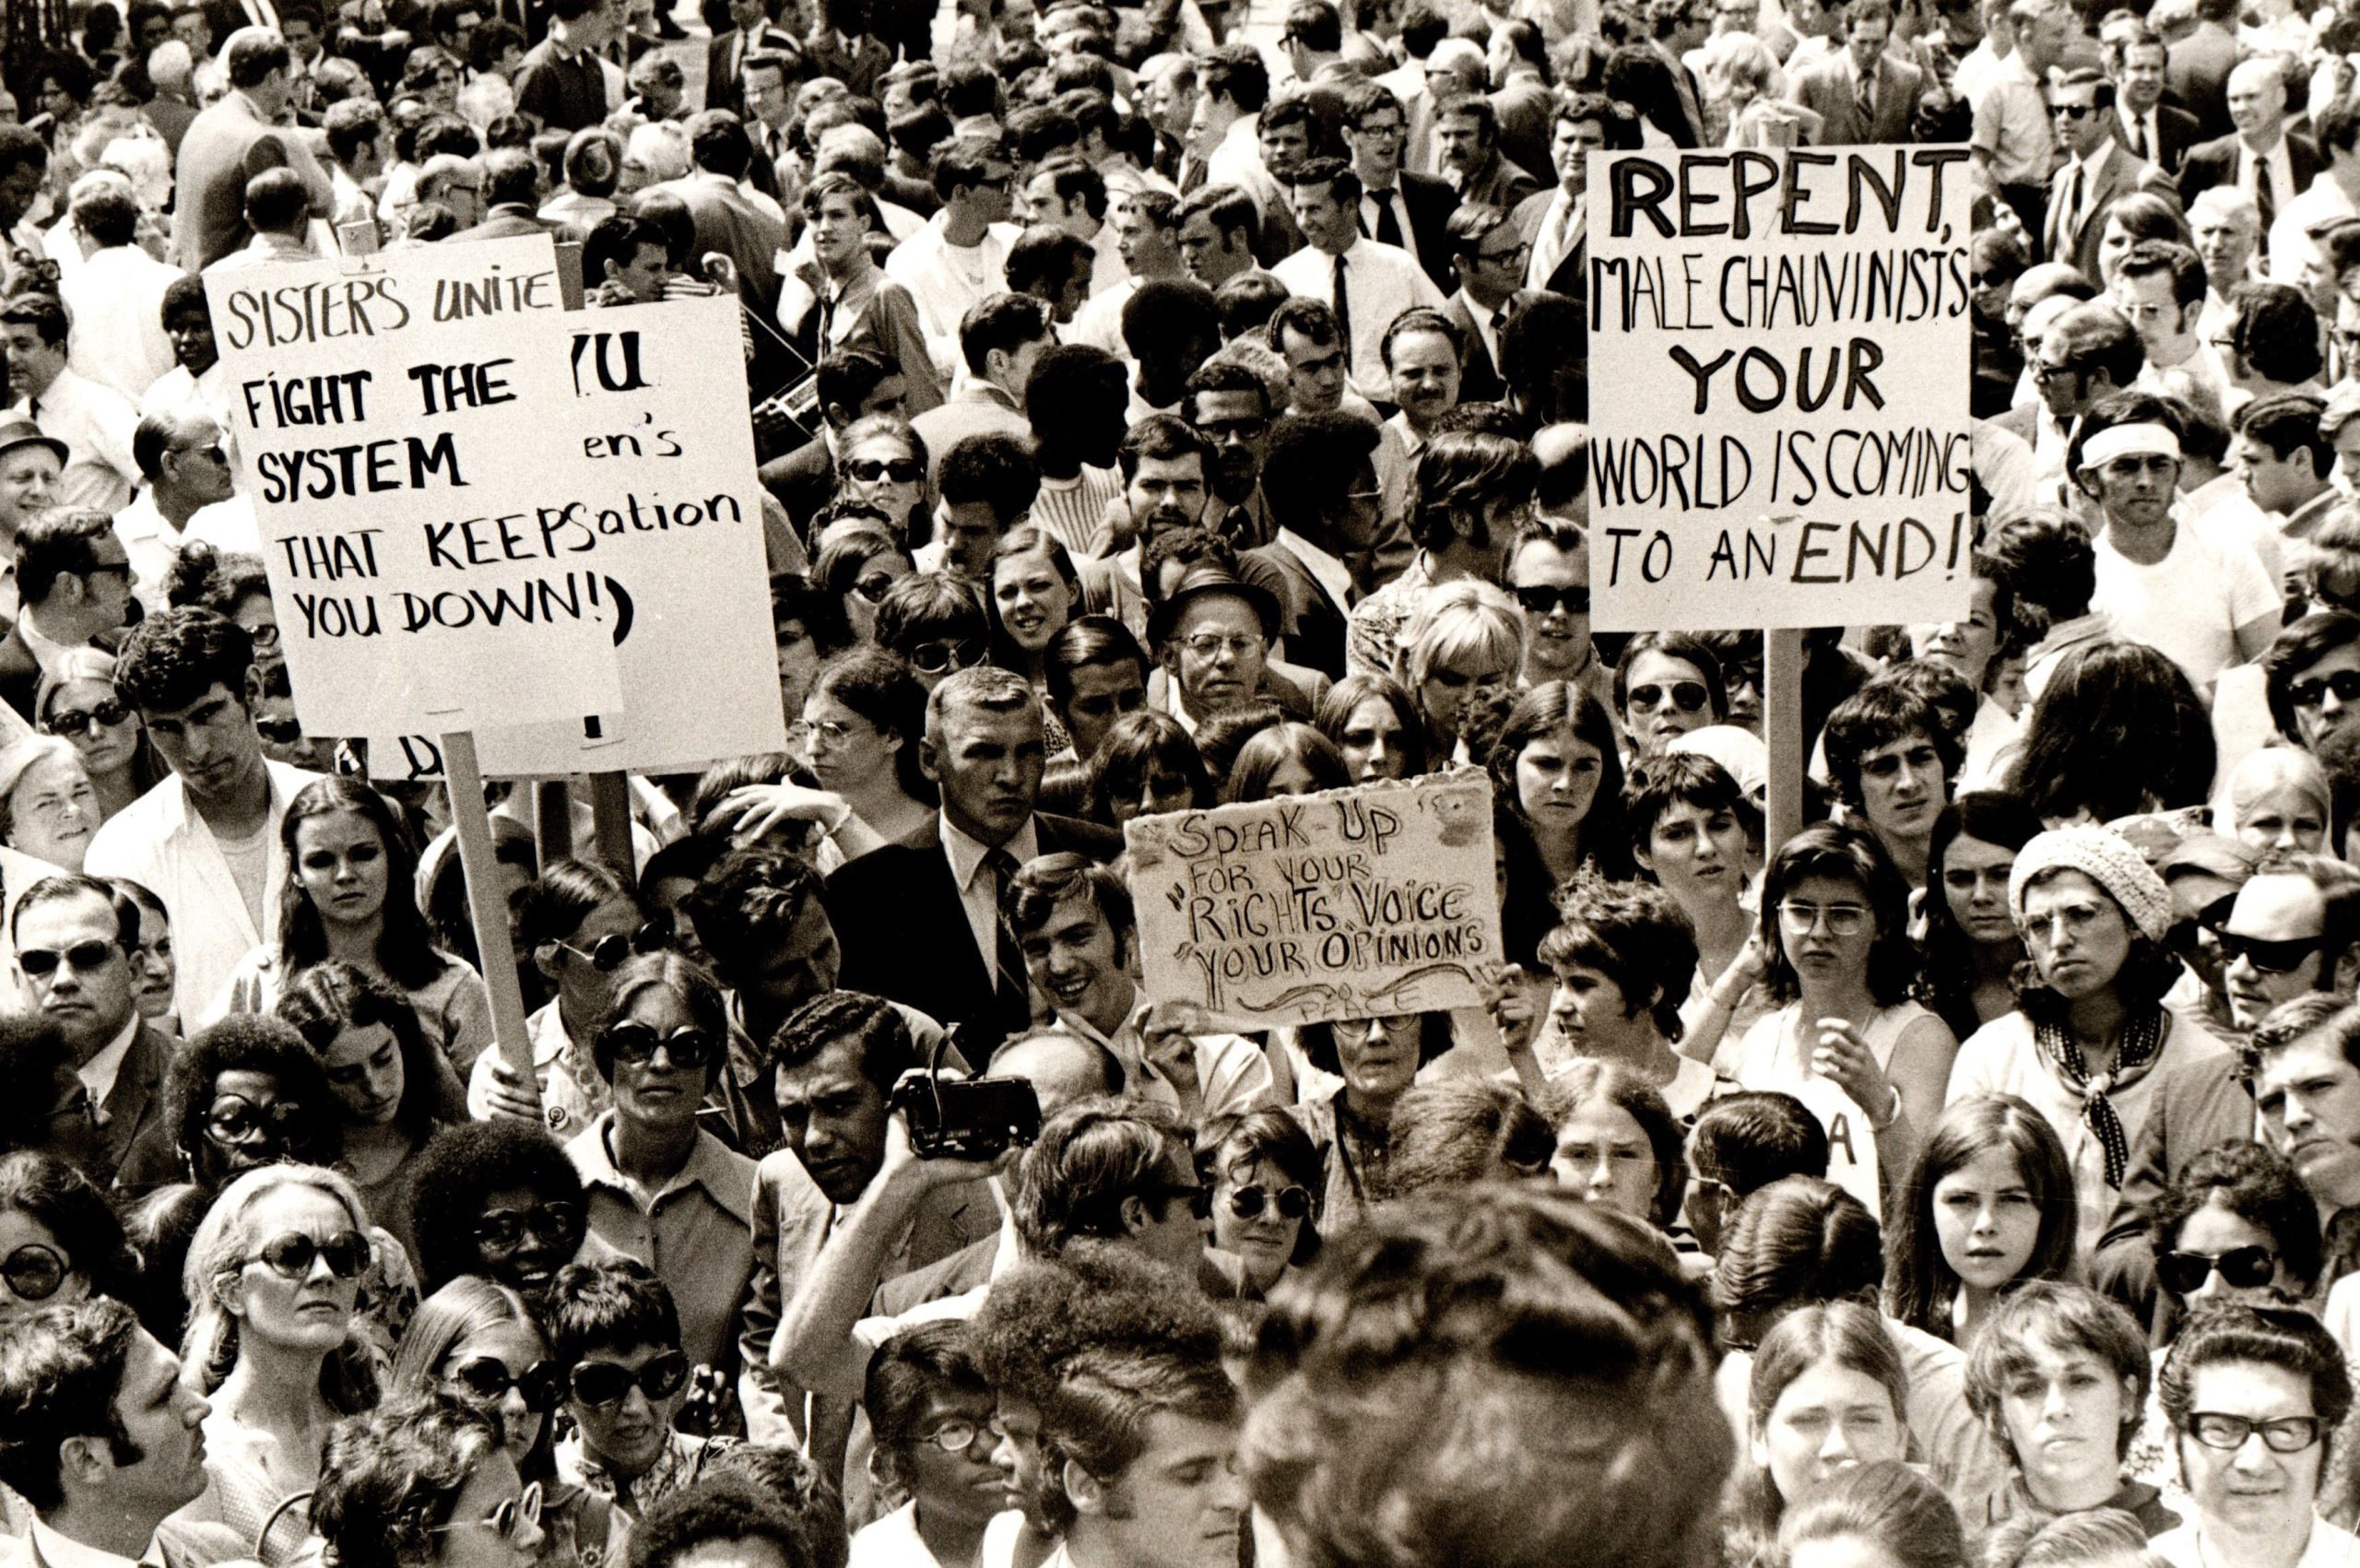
(1169,474)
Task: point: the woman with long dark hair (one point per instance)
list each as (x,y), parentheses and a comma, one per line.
(2119,730)
(1988,1203)
(1555,770)
(350,874)
(1827,1390)
(1972,947)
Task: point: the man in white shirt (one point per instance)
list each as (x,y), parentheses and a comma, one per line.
(103,1439)
(960,259)
(116,296)
(2159,284)
(2287,463)
(2334,193)
(2013,139)
(1224,132)
(1368,284)
(1069,193)
(2208,609)
(93,420)
(206,839)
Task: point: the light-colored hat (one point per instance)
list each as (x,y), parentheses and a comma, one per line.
(1737,750)
(2105,859)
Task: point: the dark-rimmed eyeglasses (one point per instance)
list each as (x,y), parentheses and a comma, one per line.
(40,963)
(292,1257)
(1293,1203)
(557,1224)
(2241,1268)
(34,1272)
(958,1436)
(2287,1434)
(900,471)
(1542,599)
(2268,957)
(608,1383)
(234,1118)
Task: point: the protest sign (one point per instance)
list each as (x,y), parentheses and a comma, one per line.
(483,512)
(1352,903)
(1786,335)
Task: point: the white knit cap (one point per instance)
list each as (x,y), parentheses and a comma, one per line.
(2105,859)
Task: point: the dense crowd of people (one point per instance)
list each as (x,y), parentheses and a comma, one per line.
(1162,406)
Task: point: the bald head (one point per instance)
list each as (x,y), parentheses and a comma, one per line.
(2258,98)
(1061,1068)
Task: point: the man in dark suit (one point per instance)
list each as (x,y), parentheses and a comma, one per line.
(2263,156)
(2195,68)
(1491,253)
(2160,132)
(228,144)
(1555,222)
(74,587)
(725,220)
(1520,95)
(1320,476)
(59,922)
(918,921)
(1467,149)
(1212,635)
(509,185)
(1864,95)
(2098,172)
(724,58)
(1374,126)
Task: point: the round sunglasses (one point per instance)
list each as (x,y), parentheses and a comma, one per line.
(1293,1203)
(608,1383)
(488,1379)
(34,1272)
(292,1256)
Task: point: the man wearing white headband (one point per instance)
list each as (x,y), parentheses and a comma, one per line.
(2204,601)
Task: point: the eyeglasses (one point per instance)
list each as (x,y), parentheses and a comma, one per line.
(1688,696)
(606,1383)
(2287,1434)
(266,635)
(2042,371)
(1293,1203)
(2270,958)
(1843,919)
(488,1379)
(107,712)
(946,653)
(510,1520)
(1544,600)
(33,1272)
(635,1045)
(1232,430)
(86,957)
(290,1256)
(958,1436)
(875,587)
(2311,691)
(234,1118)
(503,1230)
(1515,256)
(803,734)
(610,952)
(901,470)
(2241,1268)
(1200,1198)
(1212,644)
(2073,110)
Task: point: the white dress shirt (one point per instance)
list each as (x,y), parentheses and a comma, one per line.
(978,888)
(1561,229)
(1381,281)
(116,298)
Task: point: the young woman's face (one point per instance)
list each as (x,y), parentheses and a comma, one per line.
(2064,1415)
(584,987)
(1032,601)
(1974,883)
(2283,818)
(1371,742)
(523,1237)
(247,1123)
(1829,928)
(340,863)
(1292,777)
(882,471)
(1987,1219)
(1379,1056)
(2076,933)
(1589,1007)
(1603,1157)
(1830,1417)
(2220,1240)
(1556,779)
(1664,699)
(1265,1239)
(1450,685)
(364,1067)
(511,1350)
(308,1310)
(1698,854)
(1162,790)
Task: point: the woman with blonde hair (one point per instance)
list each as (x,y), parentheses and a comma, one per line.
(1743,76)
(273,1282)
(1465,642)
(2277,798)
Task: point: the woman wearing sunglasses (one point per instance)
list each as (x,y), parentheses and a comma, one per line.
(883,463)
(580,922)
(1266,1182)
(497,1198)
(1834,929)
(478,1342)
(49,809)
(857,567)
(77,703)
(391,1088)
(351,870)
(936,624)
(273,1282)
(1370,1063)
(2253,1395)
(1666,684)
(663,1044)
(59,1239)
(426,1482)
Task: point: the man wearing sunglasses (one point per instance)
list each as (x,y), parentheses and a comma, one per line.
(1549,575)
(2290,932)
(919,922)
(73,584)
(206,839)
(2311,674)
(73,940)
(191,494)
(100,1436)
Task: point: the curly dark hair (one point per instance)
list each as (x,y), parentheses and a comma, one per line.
(2117,730)
(2257,1186)
(388,1478)
(174,657)
(728,1509)
(461,1166)
(1634,935)
(2280,1337)
(252,1043)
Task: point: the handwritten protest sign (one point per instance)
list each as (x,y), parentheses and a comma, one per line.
(1354,903)
(1786,335)
(482,512)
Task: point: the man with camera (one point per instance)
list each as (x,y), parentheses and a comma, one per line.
(1074,924)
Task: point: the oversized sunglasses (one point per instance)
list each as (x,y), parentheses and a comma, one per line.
(488,1379)
(292,1257)
(608,1383)
(636,1044)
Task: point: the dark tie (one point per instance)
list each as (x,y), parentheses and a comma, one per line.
(1192,175)
(2265,192)
(2139,137)
(1343,311)
(1009,995)
(1869,100)
(1388,227)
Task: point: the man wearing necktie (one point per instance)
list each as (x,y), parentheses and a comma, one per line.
(725,68)
(1864,95)
(1556,221)
(2262,158)
(2159,132)
(1369,284)
(1398,207)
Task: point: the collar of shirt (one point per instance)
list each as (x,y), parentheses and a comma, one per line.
(98,1074)
(64,1552)
(2094,163)
(967,854)
(708,1167)
(1332,573)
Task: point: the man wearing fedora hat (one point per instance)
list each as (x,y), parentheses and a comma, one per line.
(1211,636)
(31,466)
